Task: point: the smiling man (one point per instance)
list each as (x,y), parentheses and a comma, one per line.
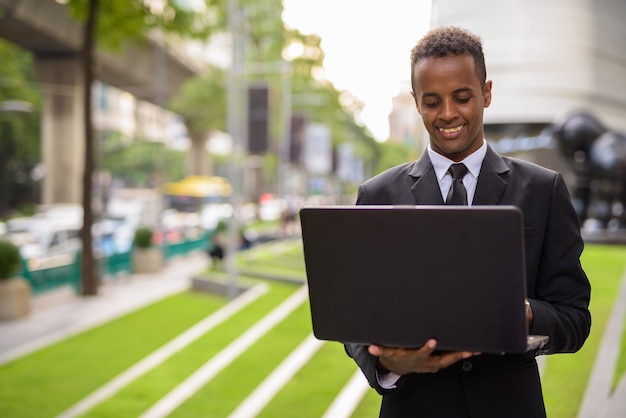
(451,92)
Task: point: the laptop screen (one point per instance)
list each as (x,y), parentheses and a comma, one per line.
(398,276)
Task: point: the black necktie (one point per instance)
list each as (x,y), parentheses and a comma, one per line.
(457,195)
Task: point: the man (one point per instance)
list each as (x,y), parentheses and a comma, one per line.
(451,92)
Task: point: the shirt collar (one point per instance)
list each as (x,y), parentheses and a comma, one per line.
(473,162)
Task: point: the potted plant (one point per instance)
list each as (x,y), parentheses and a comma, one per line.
(146,258)
(15,291)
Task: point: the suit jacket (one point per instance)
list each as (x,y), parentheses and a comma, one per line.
(557,288)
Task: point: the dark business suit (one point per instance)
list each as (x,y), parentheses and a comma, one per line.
(558,289)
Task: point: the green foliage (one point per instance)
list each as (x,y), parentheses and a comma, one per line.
(392,154)
(9,259)
(20,148)
(143,237)
(19,81)
(266,30)
(222,226)
(132,20)
(140,163)
(202,101)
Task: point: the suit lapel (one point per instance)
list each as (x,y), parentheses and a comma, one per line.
(489,189)
(491,183)
(426,187)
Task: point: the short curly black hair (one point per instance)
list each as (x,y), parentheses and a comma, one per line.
(450,40)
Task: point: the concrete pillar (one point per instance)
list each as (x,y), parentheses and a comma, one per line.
(63,144)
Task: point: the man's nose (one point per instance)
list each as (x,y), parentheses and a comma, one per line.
(448,111)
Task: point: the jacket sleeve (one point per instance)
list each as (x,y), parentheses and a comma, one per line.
(561,295)
(367,364)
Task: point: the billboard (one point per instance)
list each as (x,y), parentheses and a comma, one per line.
(317,151)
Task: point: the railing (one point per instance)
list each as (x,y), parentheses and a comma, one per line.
(66,271)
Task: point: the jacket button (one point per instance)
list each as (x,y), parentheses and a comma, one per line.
(467,366)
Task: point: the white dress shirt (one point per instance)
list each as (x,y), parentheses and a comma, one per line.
(473,162)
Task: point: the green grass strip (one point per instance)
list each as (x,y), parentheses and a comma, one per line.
(275,265)
(45,383)
(369,405)
(140,395)
(275,271)
(221,396)
(620,368)
(285,261)
(566,375)
(313,389)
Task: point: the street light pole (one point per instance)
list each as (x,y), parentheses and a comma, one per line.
(283,164)
(235,123)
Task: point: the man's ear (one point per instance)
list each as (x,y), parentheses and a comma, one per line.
(487,93)
(416,103)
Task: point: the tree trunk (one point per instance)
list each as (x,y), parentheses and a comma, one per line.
(89,273)
(198,162)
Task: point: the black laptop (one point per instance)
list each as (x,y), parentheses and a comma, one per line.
(400,275)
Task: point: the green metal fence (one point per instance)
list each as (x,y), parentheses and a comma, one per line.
(111,266)
(184,247)
(45,279)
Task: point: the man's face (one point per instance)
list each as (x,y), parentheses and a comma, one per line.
(450,99)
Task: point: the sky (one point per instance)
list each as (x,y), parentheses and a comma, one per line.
(367,45)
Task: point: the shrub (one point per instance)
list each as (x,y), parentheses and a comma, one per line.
(143,237)
(9,259)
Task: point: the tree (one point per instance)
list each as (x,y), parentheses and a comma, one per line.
(121,21)
(137,162)
(202,104)
(114,22)
(202,101)
(88,271)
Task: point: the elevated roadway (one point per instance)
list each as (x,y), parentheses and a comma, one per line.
(152,72)
(45,28)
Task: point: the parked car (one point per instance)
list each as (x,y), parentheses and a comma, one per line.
(45,241)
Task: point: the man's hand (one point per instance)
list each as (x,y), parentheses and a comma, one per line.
(421,360)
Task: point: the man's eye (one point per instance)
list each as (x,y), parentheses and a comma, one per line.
(463,100)
(430,104)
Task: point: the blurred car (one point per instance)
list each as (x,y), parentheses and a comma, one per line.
(45,241)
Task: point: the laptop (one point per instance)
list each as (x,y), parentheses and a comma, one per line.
(400,275)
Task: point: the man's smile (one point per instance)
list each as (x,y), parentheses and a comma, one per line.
(451,132)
